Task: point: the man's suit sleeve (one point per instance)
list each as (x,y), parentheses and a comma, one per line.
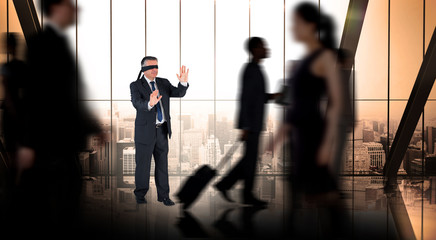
(269,97)
(139,103)
(31,102)
(178,91)
(245,121)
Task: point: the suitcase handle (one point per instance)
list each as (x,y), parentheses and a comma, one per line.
(228,155)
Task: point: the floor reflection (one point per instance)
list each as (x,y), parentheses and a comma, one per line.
(190,227)
(111,211)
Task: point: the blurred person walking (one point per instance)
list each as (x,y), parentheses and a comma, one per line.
(252,101)
(13,75)
(55,128)
(14,81)
(313,121)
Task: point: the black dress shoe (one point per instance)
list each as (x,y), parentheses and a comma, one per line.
(223,193)
(140,200)
(166,201)
(254,202)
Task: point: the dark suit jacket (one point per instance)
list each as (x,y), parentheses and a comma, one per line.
(252,99)
(145,122)
(14,82)
(55,121)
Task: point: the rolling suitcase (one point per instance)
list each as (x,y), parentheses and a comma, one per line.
(195,184)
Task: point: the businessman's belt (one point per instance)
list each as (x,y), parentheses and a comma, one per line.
(146,68)
(158,125)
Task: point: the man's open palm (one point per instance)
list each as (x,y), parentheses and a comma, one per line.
(183,77)
(154,99)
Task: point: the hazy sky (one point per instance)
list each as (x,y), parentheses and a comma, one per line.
(131,38)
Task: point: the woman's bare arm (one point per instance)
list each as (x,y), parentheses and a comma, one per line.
(329,69)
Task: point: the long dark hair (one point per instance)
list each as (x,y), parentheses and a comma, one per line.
(309,12)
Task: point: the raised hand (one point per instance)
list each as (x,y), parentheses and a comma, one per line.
(154,99)
(183,77)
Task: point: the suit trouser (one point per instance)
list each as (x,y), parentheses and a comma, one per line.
(246,168)
(159,150)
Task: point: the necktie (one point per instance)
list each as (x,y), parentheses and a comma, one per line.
(159,110)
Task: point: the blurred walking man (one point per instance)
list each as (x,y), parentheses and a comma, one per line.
(251,117)
(55,128)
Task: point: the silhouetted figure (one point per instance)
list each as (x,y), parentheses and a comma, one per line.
(55,128)
(14,74)
(150,95)
(253,97)
(315,83)
(316,120)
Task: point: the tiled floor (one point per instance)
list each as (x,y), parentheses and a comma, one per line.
(110,210)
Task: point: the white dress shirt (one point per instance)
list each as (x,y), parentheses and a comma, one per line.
(161,105)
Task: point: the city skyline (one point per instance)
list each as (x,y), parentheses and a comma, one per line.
(195,141)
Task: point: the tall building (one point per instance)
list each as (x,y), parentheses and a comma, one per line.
(186,122)
(361,159)
(393,127)
(358,130)
(223,131)
(375,126)
(101,163)
(430,165)
(368,135)
(84,162)
(267,188)
(434,147)
(129,132)
(185,159)
(120,146)
(432,190)
(377,155)
(121,132)
(174,149)
(265,138)
(99,150)
(213,152)
(417,139)
(93,163)
(193,138)
(382,128)
(412,160)
(126,128)
(210,125)
(430,139)
(129,164)
(384,142)
(202,154)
